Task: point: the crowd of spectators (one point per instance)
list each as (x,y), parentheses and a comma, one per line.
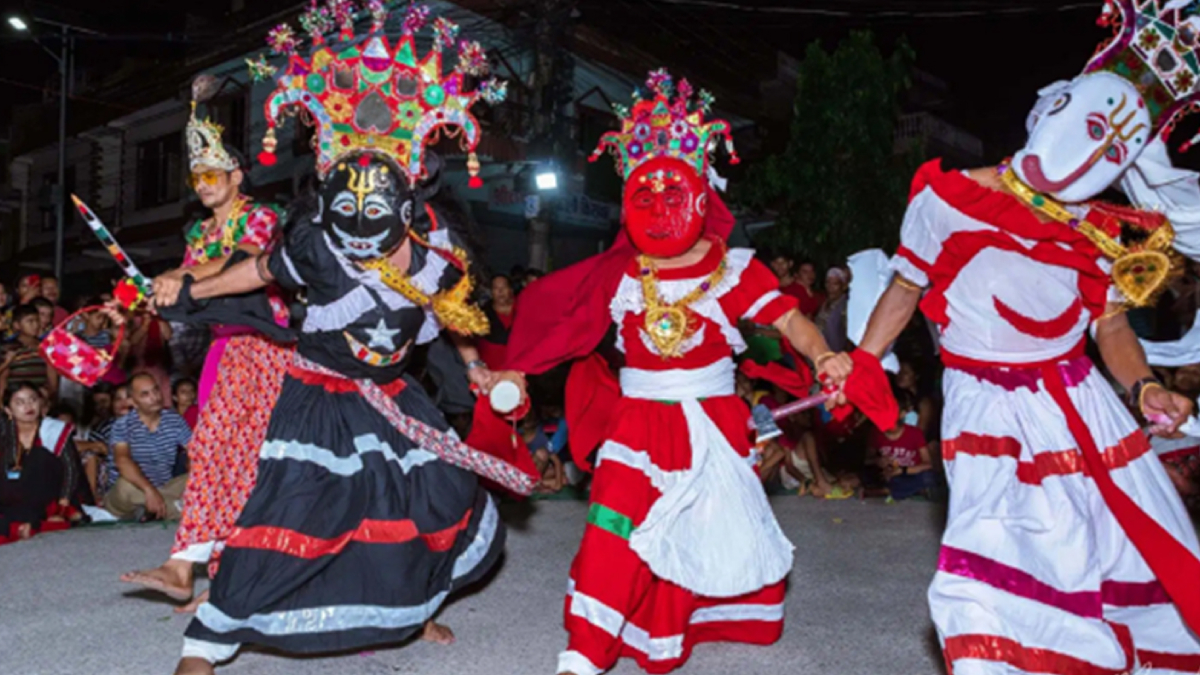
(124,441)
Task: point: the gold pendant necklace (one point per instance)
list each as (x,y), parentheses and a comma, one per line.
(1140,273)
(670,325)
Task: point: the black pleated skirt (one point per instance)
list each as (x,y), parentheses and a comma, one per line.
(354,536)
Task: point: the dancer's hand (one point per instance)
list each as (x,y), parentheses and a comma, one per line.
(483,378)
(1167,405)
(166,290)
(833,371)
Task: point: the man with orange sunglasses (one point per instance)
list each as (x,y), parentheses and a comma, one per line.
(242,373)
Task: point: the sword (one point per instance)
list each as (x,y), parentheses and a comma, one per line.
(134,276)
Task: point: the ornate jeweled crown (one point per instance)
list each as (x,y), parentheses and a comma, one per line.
(365,94)
(1154,46)
(205,148)
(661,127)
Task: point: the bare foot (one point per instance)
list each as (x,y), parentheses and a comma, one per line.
(821,489)
(174,579)
(192,606)
(194,666)
(24,531)
(437,633)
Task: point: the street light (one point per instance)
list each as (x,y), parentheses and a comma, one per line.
(547,179)
(64,60)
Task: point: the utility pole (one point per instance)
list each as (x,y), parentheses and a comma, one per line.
(553,86)
(60,189)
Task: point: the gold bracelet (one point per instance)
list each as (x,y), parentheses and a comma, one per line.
(905,283)
(823,358)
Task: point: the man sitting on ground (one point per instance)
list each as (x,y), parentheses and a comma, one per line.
(145,444)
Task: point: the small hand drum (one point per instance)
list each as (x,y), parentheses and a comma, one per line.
(505,397)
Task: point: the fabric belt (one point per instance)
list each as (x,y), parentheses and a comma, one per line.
(445,445)
(716,379)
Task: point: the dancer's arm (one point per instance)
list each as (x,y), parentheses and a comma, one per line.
(249,275)
(1125,359)
(808,340)
(477,372)
(890,317)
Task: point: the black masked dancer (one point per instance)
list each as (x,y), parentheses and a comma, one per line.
(360,526)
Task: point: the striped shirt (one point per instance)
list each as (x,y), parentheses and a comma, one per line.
(28,366)
(153,451)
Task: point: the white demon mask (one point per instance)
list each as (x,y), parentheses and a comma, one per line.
(1083,136)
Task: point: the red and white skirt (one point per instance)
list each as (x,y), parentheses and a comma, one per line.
(681,546)
(1036,575)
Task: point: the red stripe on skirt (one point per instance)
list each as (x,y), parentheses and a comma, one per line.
(1045,464)
(299,545)
(1188,663)
(1028,659)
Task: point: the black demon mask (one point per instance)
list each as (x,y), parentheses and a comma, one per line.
(366,207)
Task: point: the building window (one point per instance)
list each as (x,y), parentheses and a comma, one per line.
(229,110)
(160,171)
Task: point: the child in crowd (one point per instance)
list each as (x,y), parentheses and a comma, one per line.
(45,310)
(548,463)
(122,404)
(24,363)
(902,454)
(184,396)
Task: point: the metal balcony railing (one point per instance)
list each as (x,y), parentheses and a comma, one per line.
(922,127)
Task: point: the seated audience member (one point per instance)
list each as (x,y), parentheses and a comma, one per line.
(106,473)
(901,453)
(1181,459)
(97,327)
(93,449)
(548,464)
(183,394)
(24,363)
(39,486)
(145,446)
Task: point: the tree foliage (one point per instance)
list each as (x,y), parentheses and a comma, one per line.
(839,186)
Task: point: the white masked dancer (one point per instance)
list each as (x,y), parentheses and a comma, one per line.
(1067,549)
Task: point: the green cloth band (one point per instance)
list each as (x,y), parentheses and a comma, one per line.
(610,521)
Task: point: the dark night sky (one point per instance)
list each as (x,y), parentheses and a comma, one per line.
(993,64)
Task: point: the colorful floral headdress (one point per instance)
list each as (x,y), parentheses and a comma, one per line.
(661,127)
(205,148)
(368,95)
(1155,47)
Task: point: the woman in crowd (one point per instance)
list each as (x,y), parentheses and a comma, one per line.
(831,318)
(41,467)
(500,317)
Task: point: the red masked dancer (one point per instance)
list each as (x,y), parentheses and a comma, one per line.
(1067,549)
(681,546)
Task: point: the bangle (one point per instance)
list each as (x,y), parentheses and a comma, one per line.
(1137,393)
(258,267)
(823,358)
(476,364)
(905,283)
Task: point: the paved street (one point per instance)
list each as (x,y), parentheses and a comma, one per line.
(856,604)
